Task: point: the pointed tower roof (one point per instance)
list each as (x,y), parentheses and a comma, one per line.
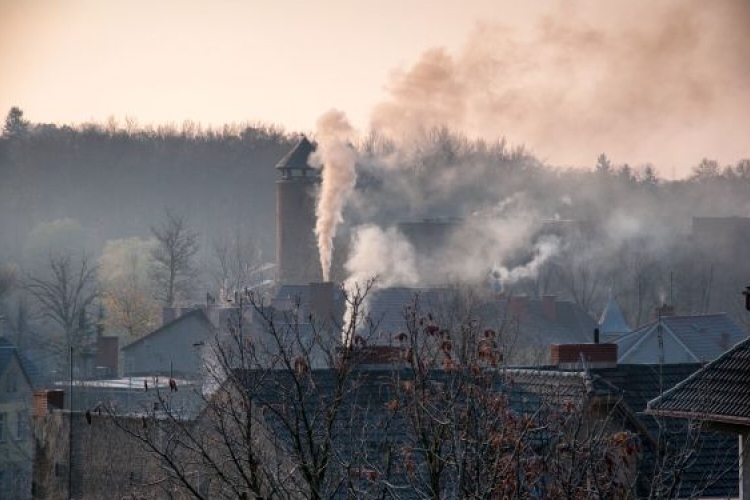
(296,159)
(612,321)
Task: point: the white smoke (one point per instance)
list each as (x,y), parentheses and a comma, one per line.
(386,256)
(337,158)
(544,249)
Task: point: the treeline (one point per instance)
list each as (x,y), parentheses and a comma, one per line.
(116,178)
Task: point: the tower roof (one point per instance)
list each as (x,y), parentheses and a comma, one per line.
(296,158)
(612,320)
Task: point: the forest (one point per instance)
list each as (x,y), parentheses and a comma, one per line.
(98,193)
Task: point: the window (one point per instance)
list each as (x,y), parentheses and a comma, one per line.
(22,422)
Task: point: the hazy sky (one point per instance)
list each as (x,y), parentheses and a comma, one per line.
(492,67)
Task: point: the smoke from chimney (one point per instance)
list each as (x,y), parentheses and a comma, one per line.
(662,82)
(337,158)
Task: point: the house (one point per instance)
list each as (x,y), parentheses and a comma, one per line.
(680,339)
(718,396)
(691,462)
(16,444)
(177,348)
(106,460)
(528,325)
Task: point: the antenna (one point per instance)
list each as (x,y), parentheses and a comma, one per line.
(671,289)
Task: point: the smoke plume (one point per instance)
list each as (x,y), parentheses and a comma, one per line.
(337,158)
(384,255)
(545,249)
(662,82)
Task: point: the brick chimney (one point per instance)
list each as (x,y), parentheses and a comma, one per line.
(568,356)
(549,308)
(45,401)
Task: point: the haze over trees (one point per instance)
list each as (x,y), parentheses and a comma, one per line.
(72,189)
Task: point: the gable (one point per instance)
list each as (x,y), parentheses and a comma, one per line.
(194,321)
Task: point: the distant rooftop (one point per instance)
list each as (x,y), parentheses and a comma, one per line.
(296,158)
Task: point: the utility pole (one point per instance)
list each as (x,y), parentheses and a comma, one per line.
(70,430)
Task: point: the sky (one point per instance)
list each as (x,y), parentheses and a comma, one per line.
(666,82)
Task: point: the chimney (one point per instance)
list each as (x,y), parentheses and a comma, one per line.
(568,356)
(549,308)
(107,354)
(167,315)
(321,302)
(596,335)
(518,306)
(663,311)
(45,401)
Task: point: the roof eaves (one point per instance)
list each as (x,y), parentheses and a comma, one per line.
(696,374)
(711,417)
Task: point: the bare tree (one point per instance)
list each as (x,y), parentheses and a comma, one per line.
(64,294)
(8,278)
(236,260)
(173,269)
(437,415)
(271,424)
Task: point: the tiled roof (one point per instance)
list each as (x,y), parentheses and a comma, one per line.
(718,392)
(570,324)
(712,468)
(297,157)
(365,420)
(702,337)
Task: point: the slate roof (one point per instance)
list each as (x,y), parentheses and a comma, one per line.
(719,392)
(365,427)
(195,313)
(612,321)
(702,337)
(387,306)
(297,157)
(713,466)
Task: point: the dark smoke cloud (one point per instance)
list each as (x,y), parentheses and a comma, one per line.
(664,82)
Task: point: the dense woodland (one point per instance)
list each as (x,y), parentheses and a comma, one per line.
(83,188)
